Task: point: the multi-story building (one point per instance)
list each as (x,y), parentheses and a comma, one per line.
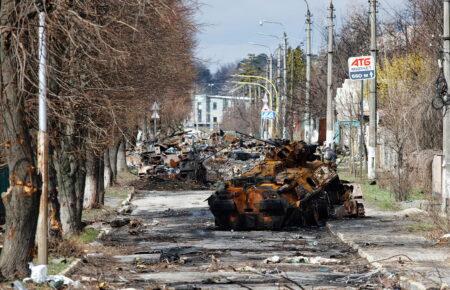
(208,110)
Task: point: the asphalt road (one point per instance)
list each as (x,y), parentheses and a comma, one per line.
(173,243)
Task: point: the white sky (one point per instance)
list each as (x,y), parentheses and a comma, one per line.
(228,25)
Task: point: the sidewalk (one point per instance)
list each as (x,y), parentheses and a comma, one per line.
(388,241)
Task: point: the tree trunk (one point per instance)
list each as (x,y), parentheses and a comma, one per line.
(55,227)
(22,198)
(91,197)
(145,134)
(113,161)
(71,180)
(101,181)
(107,169)
(122,157)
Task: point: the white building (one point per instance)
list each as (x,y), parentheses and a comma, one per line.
(348,113)
(208,111)
(348,99)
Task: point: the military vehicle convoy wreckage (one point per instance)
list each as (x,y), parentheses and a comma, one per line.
(292,187)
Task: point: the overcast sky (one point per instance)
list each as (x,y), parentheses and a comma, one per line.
(228,25)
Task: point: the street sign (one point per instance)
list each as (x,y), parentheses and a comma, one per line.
(155,115)
(155,106)
(361,68)
(268,115)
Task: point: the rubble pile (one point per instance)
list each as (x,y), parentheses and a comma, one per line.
(195,160)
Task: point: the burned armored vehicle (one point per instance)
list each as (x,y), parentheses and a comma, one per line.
(291,187)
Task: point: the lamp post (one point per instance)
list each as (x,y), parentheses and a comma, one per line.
(265,130)
(282,102)
(269,67)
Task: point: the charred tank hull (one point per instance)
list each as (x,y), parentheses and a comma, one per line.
(290,188)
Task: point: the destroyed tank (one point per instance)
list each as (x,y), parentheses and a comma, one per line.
(292,187)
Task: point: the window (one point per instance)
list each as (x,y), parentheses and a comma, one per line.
(199,115)
(215,120)
(225,104)
(199,104)
(214,106)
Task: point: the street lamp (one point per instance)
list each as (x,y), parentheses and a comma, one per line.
(281,104)
(262,21)
(265,124)
(269,35)
(269,65)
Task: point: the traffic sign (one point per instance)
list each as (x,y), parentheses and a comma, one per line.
(361,68)
(268,115)
(155,107)
(155,115)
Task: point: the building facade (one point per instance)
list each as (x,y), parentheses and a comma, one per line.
(208,110)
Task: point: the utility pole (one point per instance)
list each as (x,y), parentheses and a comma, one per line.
(308,78)
(285,89)
(373,96)
(42,230)
(279,126)
(270,71)
(446,136)
(271,80)
(330,98)
(361,128)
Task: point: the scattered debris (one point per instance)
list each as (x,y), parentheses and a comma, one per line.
(215,264)
(119,222)
(301,260)
(39,275)
(17,285)
(445,239)
(135,227)
(272,260)
(126,209)
(311,260)
(247,269)
(411,212)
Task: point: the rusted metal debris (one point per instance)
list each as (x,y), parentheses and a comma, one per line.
(291,187)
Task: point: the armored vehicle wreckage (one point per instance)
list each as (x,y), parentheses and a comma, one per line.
(291,187)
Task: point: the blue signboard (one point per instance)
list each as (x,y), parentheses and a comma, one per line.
(362,75)
(268,115)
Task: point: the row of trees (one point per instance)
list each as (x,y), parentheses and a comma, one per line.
(108,62)
(409,53)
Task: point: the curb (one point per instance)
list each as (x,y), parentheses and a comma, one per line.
(405,282)
(70,268)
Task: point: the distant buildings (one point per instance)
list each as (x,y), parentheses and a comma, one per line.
(208,110)
(348,114)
